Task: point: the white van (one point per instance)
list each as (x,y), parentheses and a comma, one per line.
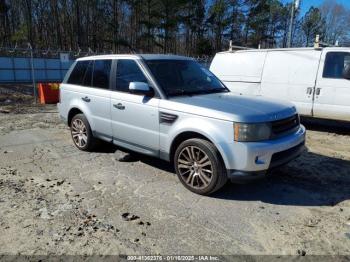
(316,80)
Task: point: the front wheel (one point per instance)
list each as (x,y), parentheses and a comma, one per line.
(199,166)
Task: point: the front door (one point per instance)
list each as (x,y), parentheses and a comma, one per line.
(332,94)
(135,118)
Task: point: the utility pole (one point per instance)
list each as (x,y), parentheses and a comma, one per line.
(295,6)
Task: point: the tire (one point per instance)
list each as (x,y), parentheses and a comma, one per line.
(199,166)
(81,133)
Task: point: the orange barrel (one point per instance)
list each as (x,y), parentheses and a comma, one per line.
(48,93)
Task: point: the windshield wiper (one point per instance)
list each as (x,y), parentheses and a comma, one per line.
(180,93)
(219,90)
(210,91)
(184,92)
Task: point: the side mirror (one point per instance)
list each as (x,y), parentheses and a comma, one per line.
(346,72)
(141,88)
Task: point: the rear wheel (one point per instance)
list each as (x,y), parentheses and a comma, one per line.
(82,134)
(199,166)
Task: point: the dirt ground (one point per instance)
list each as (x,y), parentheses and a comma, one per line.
(55,199)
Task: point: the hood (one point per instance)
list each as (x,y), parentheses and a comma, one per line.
(231,107)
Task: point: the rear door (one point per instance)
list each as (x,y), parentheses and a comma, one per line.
(291,75)
(100,96)
(135,117)
(332,94)
(90,88)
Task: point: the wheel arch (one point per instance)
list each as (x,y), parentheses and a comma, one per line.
(73,112)
(185,135)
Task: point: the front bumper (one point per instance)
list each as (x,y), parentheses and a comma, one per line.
(278,159)
(254,159)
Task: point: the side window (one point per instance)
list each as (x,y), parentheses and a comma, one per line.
(88,74)
(335,64)
(78,73)
(100,78)
(128,71)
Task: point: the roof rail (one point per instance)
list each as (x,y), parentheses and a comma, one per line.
(319,44)
(237,47)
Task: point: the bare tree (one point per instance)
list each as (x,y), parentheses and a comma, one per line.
(337,21)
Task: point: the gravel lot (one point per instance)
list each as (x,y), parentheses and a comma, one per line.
(55,199)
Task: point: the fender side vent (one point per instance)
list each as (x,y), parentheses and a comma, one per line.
(167,118)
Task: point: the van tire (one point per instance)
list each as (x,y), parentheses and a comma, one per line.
(190,170)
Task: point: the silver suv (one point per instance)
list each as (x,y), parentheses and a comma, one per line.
(173,108)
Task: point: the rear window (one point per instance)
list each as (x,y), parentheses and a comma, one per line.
(78,73)
(101,74)
(88,74)
(95,73)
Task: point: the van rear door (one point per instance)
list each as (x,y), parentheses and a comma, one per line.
(291,75)
(332,94)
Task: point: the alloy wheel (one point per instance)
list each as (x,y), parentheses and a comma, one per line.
(79,133)
(195,167)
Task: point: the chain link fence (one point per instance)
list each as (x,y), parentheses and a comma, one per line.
(27,65)
(22,68)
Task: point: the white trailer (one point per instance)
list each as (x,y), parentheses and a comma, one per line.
(316,80)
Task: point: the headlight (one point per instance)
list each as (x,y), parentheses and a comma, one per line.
(252,132)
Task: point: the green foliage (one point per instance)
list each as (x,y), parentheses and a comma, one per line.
(218,20)
(204,48)
(313,24)
(20,35)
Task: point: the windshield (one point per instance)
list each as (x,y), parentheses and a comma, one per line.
(184,77)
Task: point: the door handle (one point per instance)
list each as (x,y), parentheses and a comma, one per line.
(119,106)
(318,91)
(86,99)
(309,90)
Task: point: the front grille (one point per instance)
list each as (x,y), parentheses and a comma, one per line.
(285,126)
